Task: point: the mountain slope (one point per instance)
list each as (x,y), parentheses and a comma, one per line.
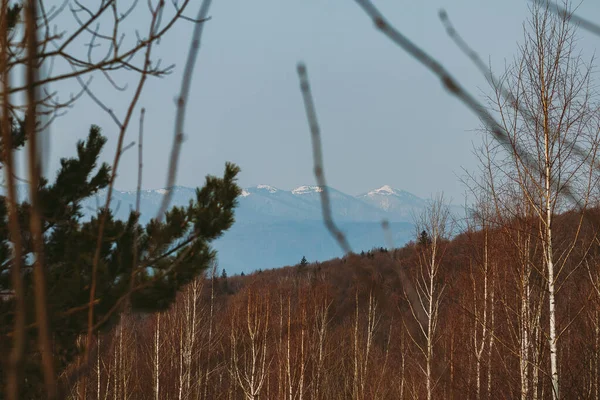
(400,203)
(264,245)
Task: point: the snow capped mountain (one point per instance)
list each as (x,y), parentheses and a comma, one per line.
(307,189)
(265,202)
(400,203)
(150,200)
(268,188)
(343,206)
(384,190)
(275,227)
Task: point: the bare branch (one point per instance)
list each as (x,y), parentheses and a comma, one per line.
(113,176)
(569,16)
(452,85)
(186,84)
(31,76)
(315,135)
(15,365)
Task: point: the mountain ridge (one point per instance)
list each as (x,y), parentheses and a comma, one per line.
(270,202)
(276,227)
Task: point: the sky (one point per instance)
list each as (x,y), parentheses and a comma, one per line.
(384,118)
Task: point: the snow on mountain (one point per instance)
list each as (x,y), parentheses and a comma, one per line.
(123,202)
(268,203)
(307,189)
(343,206)
(268,188)
(400,203)
(277,227)
(264,202)
(384,190)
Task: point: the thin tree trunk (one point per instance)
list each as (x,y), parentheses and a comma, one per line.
(157,358)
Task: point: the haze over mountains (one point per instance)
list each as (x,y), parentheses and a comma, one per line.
(276,227)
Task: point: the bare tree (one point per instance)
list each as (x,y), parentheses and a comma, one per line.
(321,316)
(249,345)
(434,228)
(550,109)
(483,286)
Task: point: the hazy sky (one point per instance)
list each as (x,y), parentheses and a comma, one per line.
(384,118)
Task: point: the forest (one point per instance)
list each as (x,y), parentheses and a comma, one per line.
(350,328)
(504,303)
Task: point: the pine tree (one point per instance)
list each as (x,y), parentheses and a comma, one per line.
(424,239)
(303,262)
(170,254)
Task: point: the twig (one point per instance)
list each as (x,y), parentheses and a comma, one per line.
(113,176)
(506,94)
(315,135)
(569,16)
(186,84)
(125,148)
(453,86)
(140,163)
(387,233)
(138,196)
(41,310)
(15,365)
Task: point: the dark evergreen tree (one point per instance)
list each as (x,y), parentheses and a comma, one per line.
(170,254)
(303,262)
(424,239)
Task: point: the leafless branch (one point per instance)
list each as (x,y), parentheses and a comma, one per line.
(115,166)
(140,161)
(138,194)
(452,85)
(571,17)
(315,135)
(506,94)
(31,75)
(186,84)
(15,367)
(387,233)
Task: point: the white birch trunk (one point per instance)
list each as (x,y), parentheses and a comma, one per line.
(157,359)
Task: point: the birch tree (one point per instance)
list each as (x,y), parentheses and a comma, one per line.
(546,104)
(249,344)
(482,282)
(434,225)
(321,315)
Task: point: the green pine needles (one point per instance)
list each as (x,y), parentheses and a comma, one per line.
(141,267)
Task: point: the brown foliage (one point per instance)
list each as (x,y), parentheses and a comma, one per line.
(340,329)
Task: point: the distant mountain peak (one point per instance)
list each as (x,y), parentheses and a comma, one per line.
(307,189)
(268,188)
(385,189)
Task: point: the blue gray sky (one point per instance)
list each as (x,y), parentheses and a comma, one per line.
(384,118)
